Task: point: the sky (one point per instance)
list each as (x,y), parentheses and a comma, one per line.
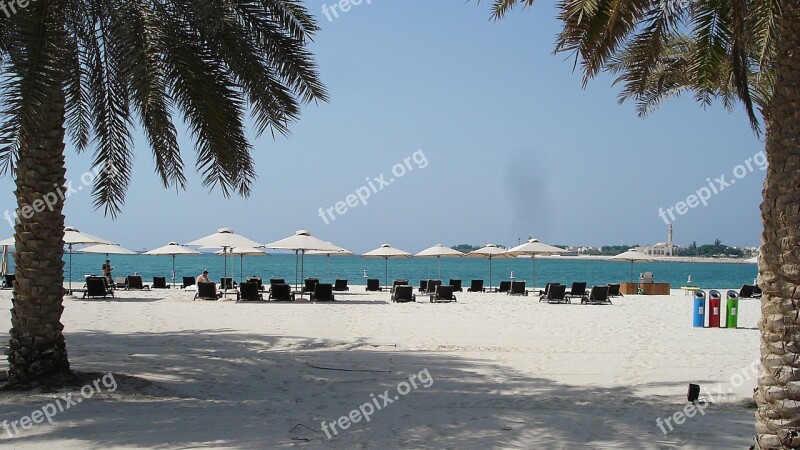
(453,129)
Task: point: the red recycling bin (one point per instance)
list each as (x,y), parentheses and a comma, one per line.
(714,308)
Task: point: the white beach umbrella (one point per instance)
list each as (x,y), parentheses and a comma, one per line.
(241,251)
(225,239)
(386,251)
(74,237)
(438,251)
(172,249)
(490,251)
(301,242)
(532,248)
(108,249)
(631,256)
(328,253)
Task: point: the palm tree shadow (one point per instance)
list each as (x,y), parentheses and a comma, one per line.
(224,388)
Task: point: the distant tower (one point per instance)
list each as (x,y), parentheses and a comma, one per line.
(669,239)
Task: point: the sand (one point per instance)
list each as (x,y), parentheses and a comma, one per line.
(491,371)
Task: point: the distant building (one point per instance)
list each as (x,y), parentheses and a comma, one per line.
(661,248)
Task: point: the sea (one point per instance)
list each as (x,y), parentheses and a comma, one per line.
(357,269)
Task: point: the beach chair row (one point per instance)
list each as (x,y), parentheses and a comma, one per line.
(598,295)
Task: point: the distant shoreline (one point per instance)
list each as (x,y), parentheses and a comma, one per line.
(675,259)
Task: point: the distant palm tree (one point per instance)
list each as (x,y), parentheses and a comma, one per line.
(732,49)
(94,68)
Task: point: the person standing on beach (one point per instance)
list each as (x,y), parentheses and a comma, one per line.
(107,272)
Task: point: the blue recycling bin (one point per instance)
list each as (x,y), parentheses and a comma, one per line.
(699,310)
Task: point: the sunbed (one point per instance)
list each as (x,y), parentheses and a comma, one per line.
(403,294)
(280,293)
(476,286)
(207,291)
(517,288)
(323,292)
(597,296)
(443,294)
(97,287)
(249,292)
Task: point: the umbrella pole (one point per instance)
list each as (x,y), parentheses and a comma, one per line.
(327,266)
(225,269)
(296,268)
(490,272)
(632,271)
(533,271)
(386,270)
(70,269)
(173,270)
(241,268)
(439,264)
(302,268)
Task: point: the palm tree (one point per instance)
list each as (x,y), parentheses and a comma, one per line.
(92,68)
(736,49)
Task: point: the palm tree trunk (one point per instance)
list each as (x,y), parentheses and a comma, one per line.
(778,393)
(37,350)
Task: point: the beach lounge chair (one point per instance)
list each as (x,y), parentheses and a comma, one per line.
(476,286)
(403,294)
(597,296)
(309,284)
(543,293)
(749,291)
(280,292)
(134,282)
(227,283)
(396,283)
(443,294)
(258,281)
(187,281)
(373,284)
(120,282)
(504,286)
(207,291)
(557,294)
(276,281)
(432,285)
(578,290)
(613,290)
(323,292)
(160,283)
(456,285)
(249,292)
(9,281)
(517,288)
(340,285)
(423,285)
(97,287)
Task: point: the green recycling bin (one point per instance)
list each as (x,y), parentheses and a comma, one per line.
(732,317)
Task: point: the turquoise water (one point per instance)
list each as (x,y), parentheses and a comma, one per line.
(352,268)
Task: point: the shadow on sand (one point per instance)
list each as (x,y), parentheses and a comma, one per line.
(218,388)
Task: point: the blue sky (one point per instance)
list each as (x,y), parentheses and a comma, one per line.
(513,146)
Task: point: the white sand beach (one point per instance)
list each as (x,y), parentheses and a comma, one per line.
(504,372)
